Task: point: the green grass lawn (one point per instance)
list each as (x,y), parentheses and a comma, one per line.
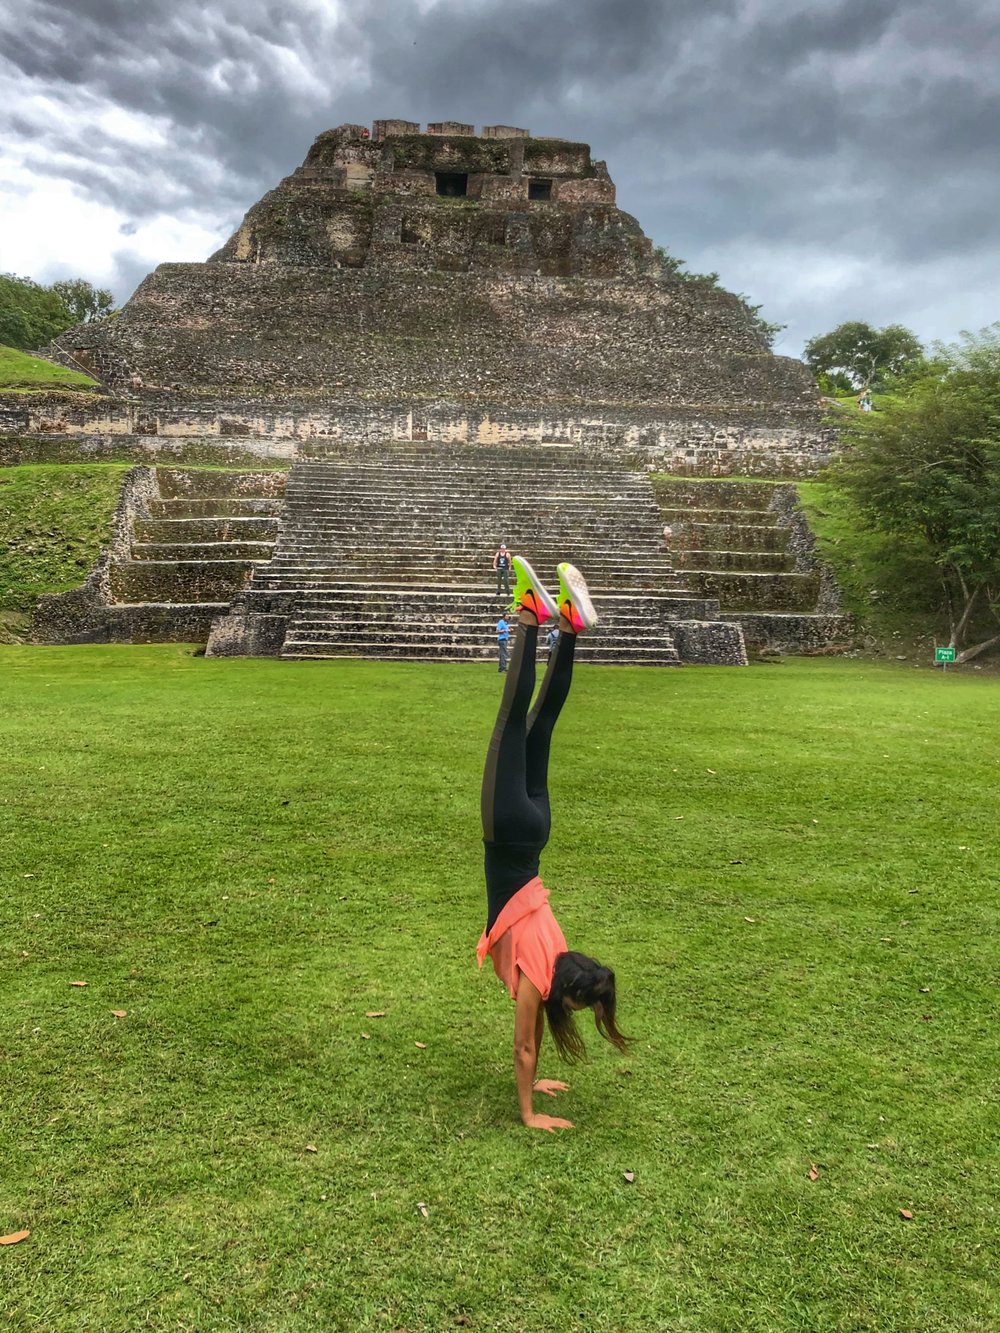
(54,519)
(791,868)
(22,372)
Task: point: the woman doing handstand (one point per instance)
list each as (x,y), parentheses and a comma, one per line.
(522,937)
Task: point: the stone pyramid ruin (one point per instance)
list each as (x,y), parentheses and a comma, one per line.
(451,338)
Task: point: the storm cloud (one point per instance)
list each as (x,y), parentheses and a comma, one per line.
(831,162)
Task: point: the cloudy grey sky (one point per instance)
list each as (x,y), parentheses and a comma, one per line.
(833,159)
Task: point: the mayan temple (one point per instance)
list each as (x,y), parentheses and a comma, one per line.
(417,345)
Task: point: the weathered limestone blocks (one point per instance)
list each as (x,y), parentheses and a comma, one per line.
(504,132)
(709,642)
(751,592)
(793,633)
(244,633)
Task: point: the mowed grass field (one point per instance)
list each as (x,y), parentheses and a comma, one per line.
(791,868)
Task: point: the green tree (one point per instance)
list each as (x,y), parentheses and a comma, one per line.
(83,299)
(863,355)
(30,315)
(928,466)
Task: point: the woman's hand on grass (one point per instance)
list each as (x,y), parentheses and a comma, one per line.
(547,1122)
(550,1086)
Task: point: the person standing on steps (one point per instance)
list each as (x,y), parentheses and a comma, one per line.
(503,642)
(501,567)
(522,937)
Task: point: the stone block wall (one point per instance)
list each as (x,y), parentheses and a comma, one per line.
(178,428)
(439,336)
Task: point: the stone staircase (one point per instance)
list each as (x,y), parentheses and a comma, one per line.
(185,542)
(203,534)
(732,541)
(386,552)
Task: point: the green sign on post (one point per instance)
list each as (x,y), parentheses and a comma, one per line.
(944,656)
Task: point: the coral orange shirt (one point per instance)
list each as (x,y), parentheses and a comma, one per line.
(525,938)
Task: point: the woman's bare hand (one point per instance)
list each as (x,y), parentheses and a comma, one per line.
(550,1086)
(548,1122)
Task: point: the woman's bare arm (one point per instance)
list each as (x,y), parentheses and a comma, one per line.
(529,1024)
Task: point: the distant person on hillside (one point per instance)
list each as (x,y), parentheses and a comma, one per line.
(865,401)
(501,566)
(551,639)
(522,937)
(503,642)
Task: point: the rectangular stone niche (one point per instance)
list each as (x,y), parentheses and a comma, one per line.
(451,184)
(540,189)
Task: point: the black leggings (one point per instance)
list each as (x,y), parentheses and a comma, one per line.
(515,799)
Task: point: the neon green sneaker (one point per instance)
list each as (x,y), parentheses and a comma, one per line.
(574,599)
(529,593)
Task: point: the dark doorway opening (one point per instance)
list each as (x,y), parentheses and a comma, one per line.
(452,184)
(540,189)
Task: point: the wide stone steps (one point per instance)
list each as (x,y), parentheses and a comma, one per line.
(179,580)
(412,531)
(187,551)
(266,581)
(362,603)
(253,529)
(727,537)
(373,605)
(432,563)
(650,654)
(392,483)
(217,507)
(389,556)
(407,629)
(764,562)
(743,591)
(397,471)
(377,622)
(192,483)
(677,492)
(753,517)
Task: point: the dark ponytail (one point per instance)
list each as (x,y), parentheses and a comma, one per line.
(584,981)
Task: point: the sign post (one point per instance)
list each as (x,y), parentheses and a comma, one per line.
(944,656)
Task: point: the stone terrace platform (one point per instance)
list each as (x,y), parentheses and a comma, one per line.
(747,544)
(386,553)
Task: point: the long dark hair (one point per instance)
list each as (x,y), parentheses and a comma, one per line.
(586,982)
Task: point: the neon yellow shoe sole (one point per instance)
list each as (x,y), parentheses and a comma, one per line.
(529,593)
(574,599)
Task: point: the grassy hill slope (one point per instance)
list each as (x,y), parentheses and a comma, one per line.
(54,519)
(20,372)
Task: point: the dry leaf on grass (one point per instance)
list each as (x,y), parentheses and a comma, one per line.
(814,1172)
(906,1215)
(366,1036)
(420,1045)
(423,1210)
(311,1147)
(78,983)
(374,1013)
(925,990)
(14,1237)
(629,1176)
(120,1013)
